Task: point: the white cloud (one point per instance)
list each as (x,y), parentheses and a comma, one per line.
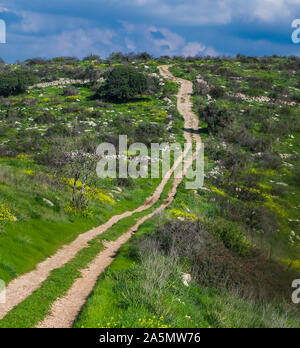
(266,10)
(193,12)
(169,43)
(76,43)
(192,49)
(3,9)
(81,42)
(80,32)
(210,51)
(129,27)
(33,22)
(130,44)
(207,12)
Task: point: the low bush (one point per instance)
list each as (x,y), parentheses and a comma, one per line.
(271,160)
(70,91)
(123,83)
(216,117)
(213,264)
(217,92)
(148,133)
(15,82)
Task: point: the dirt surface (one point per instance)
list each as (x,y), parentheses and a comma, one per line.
(23,286)
(184,104)
(65,310)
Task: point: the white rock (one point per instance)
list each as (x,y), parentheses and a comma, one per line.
(48,202)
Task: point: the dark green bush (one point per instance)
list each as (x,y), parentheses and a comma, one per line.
(15,82)
(216,117)
(123,83)
(217,92)
(213,262)
(70,91)
(148,133)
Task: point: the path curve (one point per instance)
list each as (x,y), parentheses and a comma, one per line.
(65,310)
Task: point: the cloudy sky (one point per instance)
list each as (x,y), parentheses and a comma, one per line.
(40,28)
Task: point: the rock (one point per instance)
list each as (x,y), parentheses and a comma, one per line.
(48,202)
(186,278)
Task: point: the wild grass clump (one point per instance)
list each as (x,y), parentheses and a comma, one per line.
(219,256)
(144,288)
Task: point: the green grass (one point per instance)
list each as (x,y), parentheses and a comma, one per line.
(124,291)
(42,229)
(27,243)
(284,206)
(34,308)
(124,297)
(150,293)
(37,306)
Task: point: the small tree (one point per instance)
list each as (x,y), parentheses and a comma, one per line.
(15,82)
(81,165)
(216,117)
(91,74)
(76,159)
(92,57)
(123,83)
(70,91)
(144,56)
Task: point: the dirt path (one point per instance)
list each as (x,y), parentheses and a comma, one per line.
(184,104)
(23,286)
(65,310)
(20,288)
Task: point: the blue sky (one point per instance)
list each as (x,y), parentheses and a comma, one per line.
(40,28)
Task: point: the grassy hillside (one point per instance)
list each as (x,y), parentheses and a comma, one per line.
(35,194)
(250,204)
(238,236)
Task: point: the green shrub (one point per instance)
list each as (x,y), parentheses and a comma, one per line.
(232,237)
(218,255)
(123,83)
(15,82)
(70,91)
(217,92)
(216,117)
(148,133)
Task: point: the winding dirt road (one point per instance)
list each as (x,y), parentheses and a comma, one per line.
(65,309)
